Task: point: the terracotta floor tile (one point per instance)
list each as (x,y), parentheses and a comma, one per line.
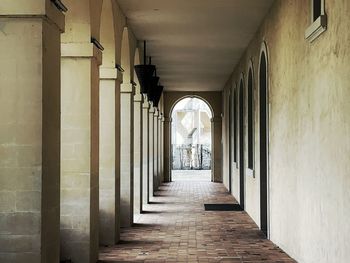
(175,228)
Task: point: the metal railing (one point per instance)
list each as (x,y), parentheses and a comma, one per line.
(191,157)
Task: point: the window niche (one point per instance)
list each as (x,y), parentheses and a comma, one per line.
(318,20)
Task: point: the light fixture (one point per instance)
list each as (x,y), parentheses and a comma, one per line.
(145,72)
(60,6)
(97,44)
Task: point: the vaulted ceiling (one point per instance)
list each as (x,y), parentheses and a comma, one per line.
(195,43)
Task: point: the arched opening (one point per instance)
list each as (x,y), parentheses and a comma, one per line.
(241,143)
(191,140)
(250,119)
(263,102)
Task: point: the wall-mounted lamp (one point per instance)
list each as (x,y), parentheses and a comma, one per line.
(60,6)
(119,67)
(97,44)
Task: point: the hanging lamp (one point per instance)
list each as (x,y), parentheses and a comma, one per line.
(157,93)
(144,72)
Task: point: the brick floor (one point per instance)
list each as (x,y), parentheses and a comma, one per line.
(175,228)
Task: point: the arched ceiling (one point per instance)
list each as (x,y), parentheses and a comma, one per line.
(195,43)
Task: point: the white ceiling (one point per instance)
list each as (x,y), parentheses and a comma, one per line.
(195,44)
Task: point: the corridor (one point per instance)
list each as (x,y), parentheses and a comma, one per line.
(106,106)
(175,228)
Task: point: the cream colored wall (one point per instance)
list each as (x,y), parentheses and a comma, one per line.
(215,102)
(309,131)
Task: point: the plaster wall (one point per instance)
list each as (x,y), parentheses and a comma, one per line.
(309,129)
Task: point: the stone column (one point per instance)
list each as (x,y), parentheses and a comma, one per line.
(151,151)
(145,158)
(167,149)
(126,155)
(30,35)
(138,122)
(216,128)
(159,157)
(110,80)
(80,151)
(155,150)
(161,148)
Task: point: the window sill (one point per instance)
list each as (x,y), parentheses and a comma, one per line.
(316,28)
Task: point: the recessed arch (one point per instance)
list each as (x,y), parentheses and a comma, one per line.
(264,137)
(107,35)
(137,62)
(241,131)
(250,114)
(125,56)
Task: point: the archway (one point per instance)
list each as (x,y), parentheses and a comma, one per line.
(191,140)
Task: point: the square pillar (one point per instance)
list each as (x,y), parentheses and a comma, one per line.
(126,155)
(80,152)
(109,180)
(167,149)
(216,127)
(160,146)
(30,37)
(145,156)
(155,151)
(151,151)
(138,168)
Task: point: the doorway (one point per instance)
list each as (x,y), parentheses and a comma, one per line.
(191,135)
(263,103)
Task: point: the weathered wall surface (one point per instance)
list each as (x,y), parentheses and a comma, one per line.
(309,131)
(214,100)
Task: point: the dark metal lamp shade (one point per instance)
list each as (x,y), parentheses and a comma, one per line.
(157,93)
(144,74)
(151,87)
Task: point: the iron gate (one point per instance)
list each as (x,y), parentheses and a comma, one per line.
(191,157)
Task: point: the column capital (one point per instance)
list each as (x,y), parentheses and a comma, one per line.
(138,98)
(156,112)
(145,104)
(111,74)
(43,9)
(160,117)
(81,50)
(151,110)
(127,88)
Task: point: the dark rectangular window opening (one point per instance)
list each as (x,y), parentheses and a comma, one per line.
(316,9)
